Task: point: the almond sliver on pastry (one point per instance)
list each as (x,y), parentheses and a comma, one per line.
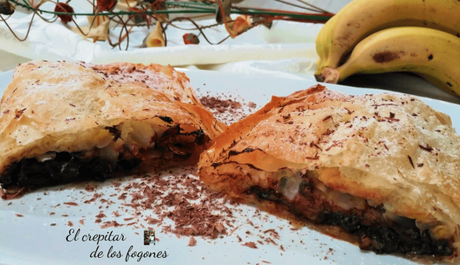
(380,171)
(67,121)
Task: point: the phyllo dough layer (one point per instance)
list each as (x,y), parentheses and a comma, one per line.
(381,171)
(67,121)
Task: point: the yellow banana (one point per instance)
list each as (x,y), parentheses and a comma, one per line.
(360,18)
(433,54)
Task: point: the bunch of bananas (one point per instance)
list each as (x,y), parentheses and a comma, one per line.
(379,36)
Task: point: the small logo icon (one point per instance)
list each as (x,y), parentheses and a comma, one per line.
(149,237)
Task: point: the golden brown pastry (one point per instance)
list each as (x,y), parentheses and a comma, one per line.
(67,121)
(175,85)
(380,171)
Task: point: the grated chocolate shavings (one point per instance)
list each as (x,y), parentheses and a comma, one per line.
(269,240)
(101,215)
(227,109)
(220,105)
(71,203)
(177,202)
(427,147)
(110,224)
(250,245)
(95,196)
(152,221)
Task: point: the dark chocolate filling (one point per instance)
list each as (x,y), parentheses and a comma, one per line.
(64,168)
(71,167)
(369,226)
(387,239)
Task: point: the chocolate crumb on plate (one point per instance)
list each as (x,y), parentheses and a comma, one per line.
(101,215)
(192,242)
(250,245)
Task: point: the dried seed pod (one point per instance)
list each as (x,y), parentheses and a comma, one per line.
(64,8)
(106,5)
(241,24)
(6,8)
(190,38)
(155,38)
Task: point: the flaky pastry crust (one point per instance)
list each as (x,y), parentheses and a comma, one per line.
(74,107)
(393,151)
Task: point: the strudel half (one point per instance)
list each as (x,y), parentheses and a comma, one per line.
(381,171)
(67,121)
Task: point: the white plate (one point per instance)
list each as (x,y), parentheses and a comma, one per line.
(31,240)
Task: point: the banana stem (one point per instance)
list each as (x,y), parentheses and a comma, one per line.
(328,75)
